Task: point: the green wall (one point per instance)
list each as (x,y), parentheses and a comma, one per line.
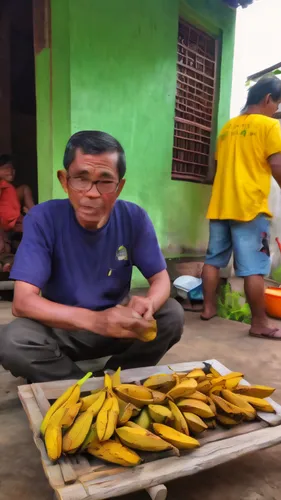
(114,69)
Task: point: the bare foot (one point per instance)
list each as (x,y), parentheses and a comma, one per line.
(208,313)
(265,332)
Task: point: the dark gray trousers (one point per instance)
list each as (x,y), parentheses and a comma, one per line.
(39,353)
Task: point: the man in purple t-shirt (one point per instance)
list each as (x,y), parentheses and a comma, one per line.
(73,273)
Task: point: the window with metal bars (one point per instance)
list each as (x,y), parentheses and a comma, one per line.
(194,108)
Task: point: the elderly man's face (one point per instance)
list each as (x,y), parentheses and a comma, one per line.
(92,183)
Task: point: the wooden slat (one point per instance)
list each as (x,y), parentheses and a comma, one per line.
(145,476)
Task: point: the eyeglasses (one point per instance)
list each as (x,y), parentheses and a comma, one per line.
(85,185)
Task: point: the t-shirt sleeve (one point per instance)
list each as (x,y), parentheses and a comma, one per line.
(33,260)
(147,256)
(273,140)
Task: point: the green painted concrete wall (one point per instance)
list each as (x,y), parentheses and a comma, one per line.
(114,69)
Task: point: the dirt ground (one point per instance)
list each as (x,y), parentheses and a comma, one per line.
(253,477)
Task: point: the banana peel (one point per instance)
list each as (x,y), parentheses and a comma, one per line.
(141,439)
(115,452)
(255,391)
(247,410)
(177,439)
(198,407)
(107,418)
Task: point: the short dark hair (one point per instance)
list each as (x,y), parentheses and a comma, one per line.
(265,85)
(4,159)
(94,142)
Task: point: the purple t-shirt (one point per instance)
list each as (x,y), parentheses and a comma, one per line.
(78,267)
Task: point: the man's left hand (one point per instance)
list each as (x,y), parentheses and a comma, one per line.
(143,306)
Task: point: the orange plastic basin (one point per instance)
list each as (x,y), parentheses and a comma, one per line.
(273,301)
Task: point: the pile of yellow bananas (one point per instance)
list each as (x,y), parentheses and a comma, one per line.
(159,415)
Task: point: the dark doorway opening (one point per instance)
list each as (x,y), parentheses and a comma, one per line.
(19,136)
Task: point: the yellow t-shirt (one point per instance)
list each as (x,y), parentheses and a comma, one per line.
(242,182)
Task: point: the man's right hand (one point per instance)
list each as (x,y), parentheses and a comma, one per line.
(119,322)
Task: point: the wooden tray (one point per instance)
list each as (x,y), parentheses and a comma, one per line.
(86,478)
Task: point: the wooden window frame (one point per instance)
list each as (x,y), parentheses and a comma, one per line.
(195,123)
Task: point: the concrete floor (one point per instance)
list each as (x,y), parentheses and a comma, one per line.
(254,477)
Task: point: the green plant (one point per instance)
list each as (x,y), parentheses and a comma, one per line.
(232,305)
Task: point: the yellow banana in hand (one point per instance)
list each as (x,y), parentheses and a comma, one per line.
(178,439)
(107,418)
(141,439)
(69,397)
(114,452)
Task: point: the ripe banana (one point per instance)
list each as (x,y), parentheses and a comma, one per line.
(259,404)
(176,438)
(136,394)
(141,439)
(226,408)
(150,334)
(53,441)
(223,378)
(144,419)
(194,422)
(197,373)
(204,386)
(126,411)
(76,435)
(248,411)
(211,423)
(255,391)
(232,383)
(161,382)
(107,418)
(116,378)
(212,405)
(227,421)
(179,422)
(198,407)
(91,438)
(69,397)
(114,452)
(107,382)
(159,413)
(87,401)
(200,396)
(183,389)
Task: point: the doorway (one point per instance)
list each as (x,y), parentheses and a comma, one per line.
(18,129)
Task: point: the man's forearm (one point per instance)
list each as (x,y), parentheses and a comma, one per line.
(160,289)
(53,314)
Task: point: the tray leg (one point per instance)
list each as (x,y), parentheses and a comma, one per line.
(157,492)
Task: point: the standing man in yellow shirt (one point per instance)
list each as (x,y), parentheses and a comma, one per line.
(248,153)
